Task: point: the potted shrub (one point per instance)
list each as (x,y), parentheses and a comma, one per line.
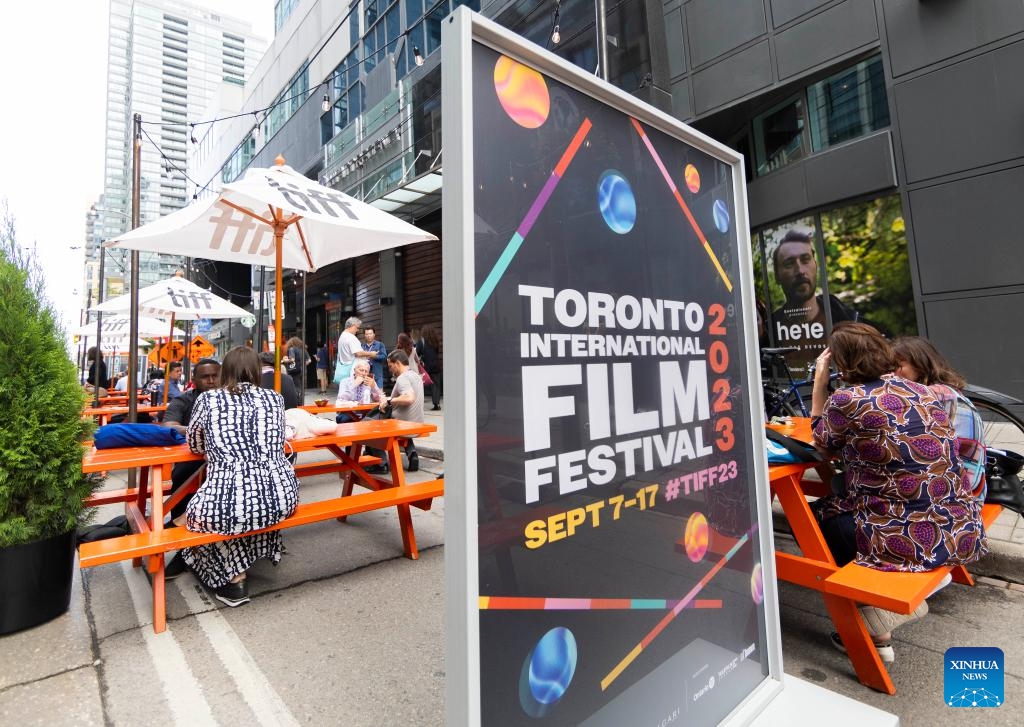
(41,434)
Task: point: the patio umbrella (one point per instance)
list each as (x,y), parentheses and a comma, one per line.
(275,217)
(177,298)
(116,328)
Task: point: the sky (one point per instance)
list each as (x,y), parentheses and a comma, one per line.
(54,63)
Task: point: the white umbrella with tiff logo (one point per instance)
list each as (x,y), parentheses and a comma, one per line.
(277,218)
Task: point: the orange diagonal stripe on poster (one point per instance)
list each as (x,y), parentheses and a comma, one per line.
(682,204)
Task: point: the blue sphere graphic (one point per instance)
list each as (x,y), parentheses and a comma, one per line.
(721,213)
(552,665)
(616,202)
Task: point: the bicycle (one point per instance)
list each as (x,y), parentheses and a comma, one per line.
(786,400)
(1003,428)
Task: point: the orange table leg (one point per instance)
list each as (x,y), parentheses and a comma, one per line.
(140,502)
(859,647)
(159,600)
(961,576)
(347,481)
(844,613)
(394,452)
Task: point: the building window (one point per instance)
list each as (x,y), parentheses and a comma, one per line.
(779,136)
(283,9)
(288,102)
(849,104)
(865,276)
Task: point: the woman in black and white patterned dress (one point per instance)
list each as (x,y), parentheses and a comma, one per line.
(249,484)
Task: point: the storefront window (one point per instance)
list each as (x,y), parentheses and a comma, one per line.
(865,276)
(868,264)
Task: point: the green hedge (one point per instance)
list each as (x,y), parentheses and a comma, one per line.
(41,428)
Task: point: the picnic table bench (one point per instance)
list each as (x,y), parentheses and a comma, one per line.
(844,588)
(149,540)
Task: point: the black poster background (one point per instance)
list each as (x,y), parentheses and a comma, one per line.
(640,555)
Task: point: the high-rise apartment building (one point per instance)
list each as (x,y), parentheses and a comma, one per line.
(165,61)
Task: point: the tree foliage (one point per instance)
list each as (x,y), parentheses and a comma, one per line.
(41,427)
(868,264)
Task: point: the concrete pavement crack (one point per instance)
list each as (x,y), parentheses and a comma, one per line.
(94,643)
(62,672)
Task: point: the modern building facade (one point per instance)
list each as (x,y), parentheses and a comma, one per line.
(880,137)
(165,61)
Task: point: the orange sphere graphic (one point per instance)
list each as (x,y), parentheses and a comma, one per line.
(695,539)
(757,584)
(522,92)
(692,177)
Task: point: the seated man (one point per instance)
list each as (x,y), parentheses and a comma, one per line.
(205,376)
(406,400)
(291,397)
(156,386)
(359,388)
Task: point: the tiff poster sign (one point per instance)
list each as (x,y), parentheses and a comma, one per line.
(619,575)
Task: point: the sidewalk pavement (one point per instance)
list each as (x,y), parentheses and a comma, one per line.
(346,631)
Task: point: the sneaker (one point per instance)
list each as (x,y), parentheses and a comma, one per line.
(414,462)
(946,580)
(885,650)
(377,469)
(435,408)
(233,594)
(175,567)
(879,621)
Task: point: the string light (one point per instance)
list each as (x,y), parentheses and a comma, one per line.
(325,104)
(556,35)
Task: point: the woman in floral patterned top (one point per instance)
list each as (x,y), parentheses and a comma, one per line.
(905,506)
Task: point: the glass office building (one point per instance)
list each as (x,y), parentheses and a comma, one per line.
(165,61)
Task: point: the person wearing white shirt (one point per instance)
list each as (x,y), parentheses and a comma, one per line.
(349,349)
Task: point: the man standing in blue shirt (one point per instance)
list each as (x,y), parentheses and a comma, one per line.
(370,343)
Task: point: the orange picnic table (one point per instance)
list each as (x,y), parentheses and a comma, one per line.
(358,411)
(104,413)
(150,540)
(844,588)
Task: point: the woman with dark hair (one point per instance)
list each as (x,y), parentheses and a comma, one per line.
(96,368)
(905,506)
(297,359)
(918,360)
(249,484)
(429,350)
(404,343)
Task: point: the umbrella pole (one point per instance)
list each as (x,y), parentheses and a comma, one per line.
(167,366)
(279,228)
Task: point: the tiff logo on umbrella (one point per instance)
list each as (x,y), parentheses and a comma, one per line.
(191,299)
(305,200)
(243,225)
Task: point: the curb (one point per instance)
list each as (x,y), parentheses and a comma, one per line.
(1004,561)
(430,452)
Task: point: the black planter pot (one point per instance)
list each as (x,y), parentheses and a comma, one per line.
(35,581)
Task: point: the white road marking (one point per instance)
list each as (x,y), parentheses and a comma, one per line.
(265,703)
(182,690)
